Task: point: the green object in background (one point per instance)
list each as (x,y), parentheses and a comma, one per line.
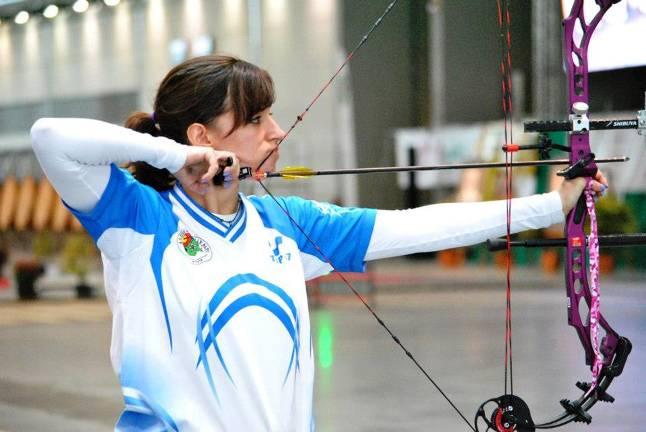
(77,256)
(543,173)
(325,340)
(614,216)
(636,201)
(526,257)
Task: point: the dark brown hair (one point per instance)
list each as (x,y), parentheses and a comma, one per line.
(198,91)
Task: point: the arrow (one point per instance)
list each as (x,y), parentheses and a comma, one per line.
(297,173)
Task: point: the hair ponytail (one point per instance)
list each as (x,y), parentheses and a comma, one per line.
(142,122)
(159,179)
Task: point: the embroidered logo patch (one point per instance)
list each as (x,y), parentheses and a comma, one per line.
(194,247)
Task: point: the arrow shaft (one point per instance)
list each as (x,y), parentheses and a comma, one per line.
(310,173)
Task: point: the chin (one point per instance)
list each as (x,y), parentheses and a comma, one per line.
(269,166)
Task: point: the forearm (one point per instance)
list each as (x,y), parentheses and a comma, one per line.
(444,226)
(76,154)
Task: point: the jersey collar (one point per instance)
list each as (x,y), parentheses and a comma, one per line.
(228,230)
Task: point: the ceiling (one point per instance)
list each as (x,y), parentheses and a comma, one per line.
(9,8)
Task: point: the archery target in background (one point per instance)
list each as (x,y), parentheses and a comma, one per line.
(8,198)
(25,203)
(44,206)
(28,204)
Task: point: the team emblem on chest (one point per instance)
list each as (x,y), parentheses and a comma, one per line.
(278,255)
(193,247)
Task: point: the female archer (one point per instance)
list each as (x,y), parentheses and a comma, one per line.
(206,285)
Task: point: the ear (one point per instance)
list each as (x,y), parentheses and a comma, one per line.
(198,135)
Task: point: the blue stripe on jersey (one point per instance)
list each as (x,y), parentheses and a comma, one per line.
(240,213)
(204,359)
(343,234)
(143,414)
(239,226)
(167,227)
(241,303)
(292,325)
(248,278)
(131,421)
(126,203)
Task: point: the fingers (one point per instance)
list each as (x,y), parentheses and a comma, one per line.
(219,162)
(205,165)
(599,184)
(571,190)
(599,177)
(227,173)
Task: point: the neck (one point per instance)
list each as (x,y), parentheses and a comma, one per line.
(217,199)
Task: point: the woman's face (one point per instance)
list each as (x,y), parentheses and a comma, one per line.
(251,142)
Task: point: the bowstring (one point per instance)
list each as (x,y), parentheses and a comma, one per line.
(504,24)
(299,119)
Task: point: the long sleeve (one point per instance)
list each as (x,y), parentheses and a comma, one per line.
(444,226)
(76,154)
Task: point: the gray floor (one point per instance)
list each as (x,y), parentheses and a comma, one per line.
(55,373)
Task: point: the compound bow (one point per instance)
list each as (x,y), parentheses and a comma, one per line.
(607,359)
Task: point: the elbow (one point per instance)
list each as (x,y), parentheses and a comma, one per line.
(42,131)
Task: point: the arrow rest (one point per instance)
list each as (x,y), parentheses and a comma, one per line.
(580,168)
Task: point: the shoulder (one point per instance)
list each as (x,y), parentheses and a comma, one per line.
(304,211)
(269,207)
(268,204)
(125,203)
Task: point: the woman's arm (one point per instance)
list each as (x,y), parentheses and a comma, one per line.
(76,155)
(445,226)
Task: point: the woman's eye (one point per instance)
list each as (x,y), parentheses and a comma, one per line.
(255,119)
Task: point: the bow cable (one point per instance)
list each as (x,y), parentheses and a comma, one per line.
(299,119)
(504,24)
(370,309)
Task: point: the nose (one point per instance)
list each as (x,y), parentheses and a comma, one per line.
(276,133)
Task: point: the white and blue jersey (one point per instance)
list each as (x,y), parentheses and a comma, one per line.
(211,328)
